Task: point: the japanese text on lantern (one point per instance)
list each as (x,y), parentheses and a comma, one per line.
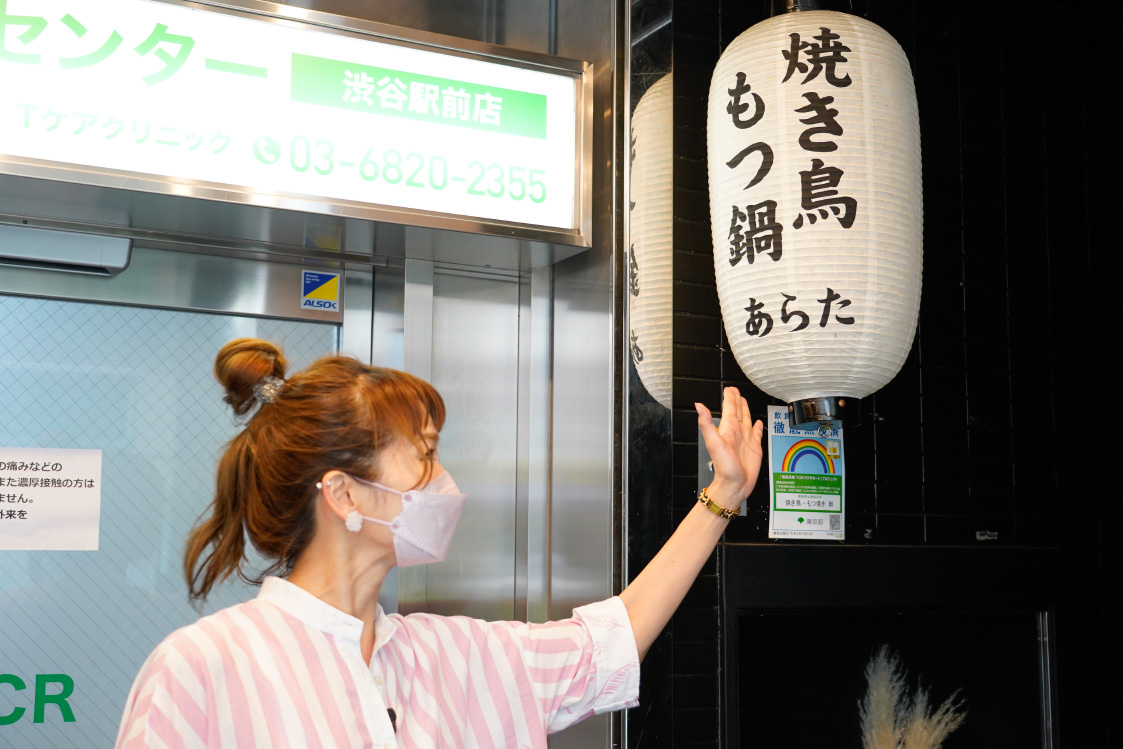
(753,228)
(819,194)
(633,265)
(760,322)
(818,185)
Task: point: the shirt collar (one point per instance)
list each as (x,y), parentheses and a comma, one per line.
(309,609)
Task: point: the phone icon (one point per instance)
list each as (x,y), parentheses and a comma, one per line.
(267,150)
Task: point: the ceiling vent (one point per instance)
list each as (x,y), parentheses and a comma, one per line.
(70,252)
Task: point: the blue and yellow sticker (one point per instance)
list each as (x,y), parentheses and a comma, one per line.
(319,290)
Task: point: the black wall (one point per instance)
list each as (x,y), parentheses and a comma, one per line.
(981,428)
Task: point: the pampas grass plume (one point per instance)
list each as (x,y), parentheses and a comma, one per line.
(893,720)
(880,722)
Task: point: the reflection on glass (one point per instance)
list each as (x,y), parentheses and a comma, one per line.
(648,291)
(650,255)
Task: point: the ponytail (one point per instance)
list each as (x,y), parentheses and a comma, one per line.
(224,529)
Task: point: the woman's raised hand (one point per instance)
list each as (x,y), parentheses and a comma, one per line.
(734,448)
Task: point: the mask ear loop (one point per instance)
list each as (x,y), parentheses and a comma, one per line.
(354,521)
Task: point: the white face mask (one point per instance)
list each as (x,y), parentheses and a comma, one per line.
(424,529)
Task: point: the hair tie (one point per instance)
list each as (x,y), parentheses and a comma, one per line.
(267,389)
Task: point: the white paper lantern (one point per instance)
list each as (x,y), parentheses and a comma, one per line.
(651,256)
(815,203)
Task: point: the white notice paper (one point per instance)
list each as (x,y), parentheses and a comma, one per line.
(50,499)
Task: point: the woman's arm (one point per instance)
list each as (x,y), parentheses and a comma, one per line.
(735,450)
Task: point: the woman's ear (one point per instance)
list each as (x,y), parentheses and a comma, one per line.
(338,491)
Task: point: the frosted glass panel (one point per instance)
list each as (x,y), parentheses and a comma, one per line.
(136,383)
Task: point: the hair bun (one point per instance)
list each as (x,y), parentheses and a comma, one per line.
(241,364)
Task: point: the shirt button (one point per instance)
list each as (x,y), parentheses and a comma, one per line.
(378,680)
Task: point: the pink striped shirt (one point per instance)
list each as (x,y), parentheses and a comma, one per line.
(285,670)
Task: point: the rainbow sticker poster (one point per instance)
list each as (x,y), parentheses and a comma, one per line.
(319,290)
(806,472)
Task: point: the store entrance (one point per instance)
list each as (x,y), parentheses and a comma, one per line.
(135,383)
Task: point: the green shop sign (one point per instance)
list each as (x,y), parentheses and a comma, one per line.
(399,93)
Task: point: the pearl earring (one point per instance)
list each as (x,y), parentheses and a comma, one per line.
(354,521)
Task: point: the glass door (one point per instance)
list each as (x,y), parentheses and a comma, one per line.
(136,383)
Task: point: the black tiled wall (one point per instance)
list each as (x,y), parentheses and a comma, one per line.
(971,434)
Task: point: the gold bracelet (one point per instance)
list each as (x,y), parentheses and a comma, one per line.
(714,507)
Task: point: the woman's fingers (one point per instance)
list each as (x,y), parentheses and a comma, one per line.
(737,430)
(717,439)
(731,419)
(735,446)
(706,425)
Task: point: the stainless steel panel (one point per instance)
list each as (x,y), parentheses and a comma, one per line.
(173,222)
(475,367)
(532,485)
(178,280)
(583,445)
(358,310)
(585,492)
(522,453)
(536,425)
(418,318)
(366,20)
(519,24)
(1046,656)
(417,359)
(388,336)
(582,518)
(449,248)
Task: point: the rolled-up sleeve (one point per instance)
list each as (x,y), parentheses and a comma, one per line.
(615,656)
(593,659)
(499,684)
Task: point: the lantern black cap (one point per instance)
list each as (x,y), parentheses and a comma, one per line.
(826,412)
(780,7)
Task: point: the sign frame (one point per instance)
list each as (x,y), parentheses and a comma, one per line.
(580,233)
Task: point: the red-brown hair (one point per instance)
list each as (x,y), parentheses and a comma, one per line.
(335,415)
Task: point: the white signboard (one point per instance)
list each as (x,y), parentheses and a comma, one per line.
(805,480)
(279,108)
(50,499)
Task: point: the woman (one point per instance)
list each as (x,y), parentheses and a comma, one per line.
(336,479)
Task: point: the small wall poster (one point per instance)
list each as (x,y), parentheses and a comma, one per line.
(806,480)
(50,499)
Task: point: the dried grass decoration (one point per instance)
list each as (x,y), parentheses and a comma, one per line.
(892,719)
